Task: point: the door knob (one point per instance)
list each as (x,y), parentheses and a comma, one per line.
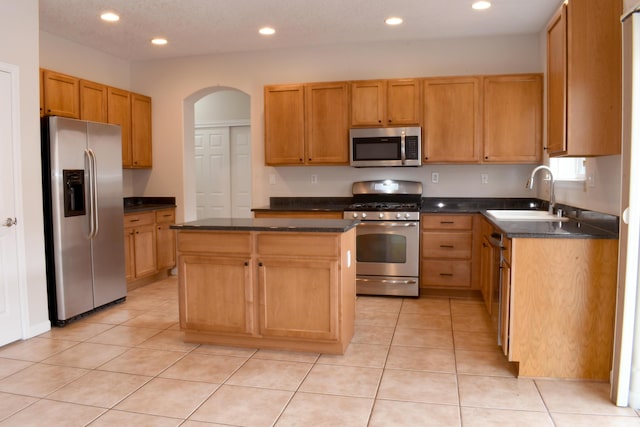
(9,222)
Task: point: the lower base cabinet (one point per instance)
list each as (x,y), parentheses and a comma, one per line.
(279,290)
(558,306)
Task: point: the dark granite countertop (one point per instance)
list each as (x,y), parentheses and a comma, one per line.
(270,224)
(141,204)
(582,223)
(306,204)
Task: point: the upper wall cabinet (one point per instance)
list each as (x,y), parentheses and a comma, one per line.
(93,101)
(452,120)
(385,102)
(67,96)
(512,124)
(307,124)
(60,95)
(584,70)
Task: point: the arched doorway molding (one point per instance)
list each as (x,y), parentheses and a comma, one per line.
(189,178)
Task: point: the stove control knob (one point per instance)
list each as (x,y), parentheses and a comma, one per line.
(355,214)
(407,215)
(398,215)
(380,215)
(364,215)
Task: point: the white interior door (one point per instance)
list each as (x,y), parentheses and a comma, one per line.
(10,309)
(241,171)
(223,172)
(213,172)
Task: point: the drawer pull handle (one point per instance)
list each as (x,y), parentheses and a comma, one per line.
(166,215)
(447,222)
(447,246)
(446,274)
(134,220)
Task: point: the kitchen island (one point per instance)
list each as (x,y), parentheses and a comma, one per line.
(282,284)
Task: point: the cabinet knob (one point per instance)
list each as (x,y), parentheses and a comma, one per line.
(486,157)
(259,264)
(246,263)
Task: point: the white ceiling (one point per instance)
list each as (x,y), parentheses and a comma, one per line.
(198,27)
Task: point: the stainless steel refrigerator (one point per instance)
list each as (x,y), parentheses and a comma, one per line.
(83,216)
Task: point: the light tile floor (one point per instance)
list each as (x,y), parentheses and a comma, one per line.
(412,362)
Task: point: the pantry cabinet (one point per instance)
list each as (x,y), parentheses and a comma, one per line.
(584,79)
(512,118)
(447,251)
(93,101)
(385,102)
(61,96)
(307,124)
(452,120)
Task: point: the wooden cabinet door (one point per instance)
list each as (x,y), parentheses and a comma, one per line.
(165,239)
(513,119)
(594,78)
(119,113)
(505,306)
(216,294)
(368,102)
(61,95)
(93,101)
(145,250)
(557,83)
(284,125)
(129,251)
(298,298)
(487,272)
(403,102)
(141,152)
(452,120)
(327,123)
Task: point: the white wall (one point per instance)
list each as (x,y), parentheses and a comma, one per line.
(222,106)
(19,32)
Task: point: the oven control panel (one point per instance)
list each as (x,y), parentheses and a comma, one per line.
(382,216)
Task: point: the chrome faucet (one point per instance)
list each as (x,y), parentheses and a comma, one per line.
(552,195)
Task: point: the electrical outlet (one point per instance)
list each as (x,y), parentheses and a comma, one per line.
(484,178)
(314,179)
(591,180)
(272,179)
(435,177)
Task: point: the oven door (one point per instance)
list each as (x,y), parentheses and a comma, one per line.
(387,248)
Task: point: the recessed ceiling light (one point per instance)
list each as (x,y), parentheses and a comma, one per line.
(159,41)
(109,17)
(267,31)
(481,5)
(394,20)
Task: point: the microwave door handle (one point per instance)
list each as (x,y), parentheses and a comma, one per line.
(403,151)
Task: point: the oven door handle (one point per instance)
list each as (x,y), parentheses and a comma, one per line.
(388,224)
(401,282)
(403,147)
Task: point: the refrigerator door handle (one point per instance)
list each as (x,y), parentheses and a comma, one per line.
(93,194)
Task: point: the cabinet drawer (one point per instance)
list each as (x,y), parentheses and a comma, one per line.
(446,222)
(226,243)
(447,245)
(166,216)
(445,273)
(298,245)
(137,219)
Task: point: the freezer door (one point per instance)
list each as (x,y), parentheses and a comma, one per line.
(108,242)
(70,234)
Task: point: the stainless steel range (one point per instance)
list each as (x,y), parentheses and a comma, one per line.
(387,239)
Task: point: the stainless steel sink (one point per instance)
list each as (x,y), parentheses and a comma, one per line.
(523,215)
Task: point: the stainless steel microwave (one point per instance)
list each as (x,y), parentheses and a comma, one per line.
(397,146)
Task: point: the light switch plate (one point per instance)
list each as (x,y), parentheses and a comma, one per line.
(435,177)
